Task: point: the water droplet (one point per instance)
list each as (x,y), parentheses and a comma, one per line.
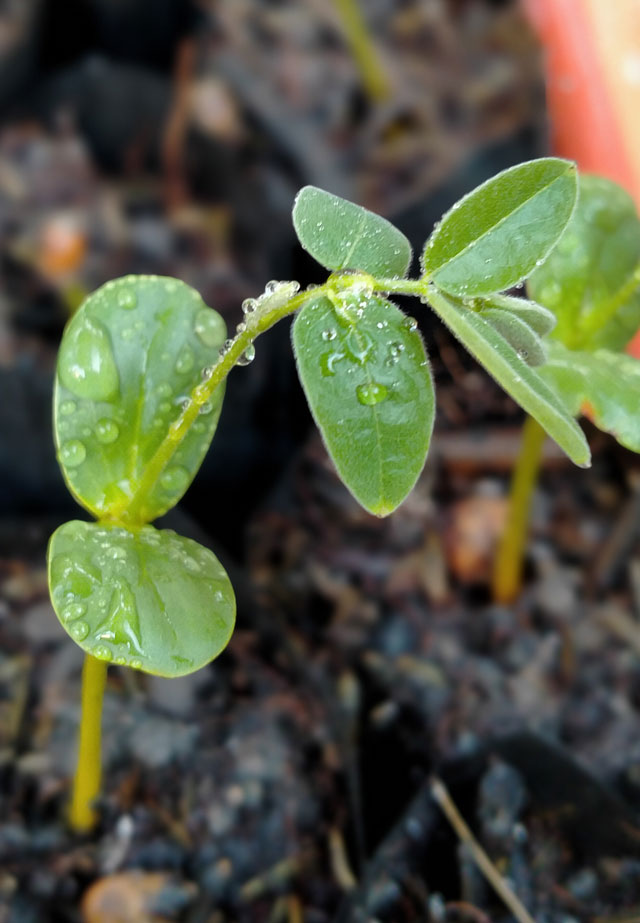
(410,323)
(86,363)
(329,335)
(328,362)
(135,664)
(174,479)
(102,652)
(371,394)
(241,328)
(116,553)
(523,354)
(207,407)
(207,372)
(271,287)
(121,661)
(67,408)
(107,431)
(359,346)
(248,355)
(127,300)
(74,611)
(249,305)
(185,361)
(209,327)
(79,631)
(72,453)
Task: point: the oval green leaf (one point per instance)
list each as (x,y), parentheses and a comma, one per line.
(493,237)
(149,599)
(603,385)
(341,235)
(591,279)
(521,382)
(368,384)
(128,361)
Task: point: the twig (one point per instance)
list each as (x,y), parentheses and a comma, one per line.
(482,860)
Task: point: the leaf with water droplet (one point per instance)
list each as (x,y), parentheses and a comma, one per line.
(595,259)
(524,384)
(497,234)
(603,385)
(116,397)
(518,333)
(148,598)
(375,417)
(341,235)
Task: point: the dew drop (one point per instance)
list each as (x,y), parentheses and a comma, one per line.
(73,611)
(209,327)
(249,305)
(107,431)
(185,361)
(410,323)
(135,664)
(67,408)
(174,479)
(121,661)
(207,407)
(241,328)
(329,335)
(328,362)
(372,394)
(248,355)
(271,287)
(102,652)
(72,453)
(86,363)
(79,631)
(127,300)
(207,372)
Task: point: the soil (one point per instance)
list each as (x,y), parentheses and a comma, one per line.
(292,779)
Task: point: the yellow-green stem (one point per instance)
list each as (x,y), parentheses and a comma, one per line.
(372,72)
(507,573)
(86,783)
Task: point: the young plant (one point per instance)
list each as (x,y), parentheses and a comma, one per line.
(140,382)
(591,281)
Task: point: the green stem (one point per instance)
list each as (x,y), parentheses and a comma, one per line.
(507,574)
(367,58)
(86,783)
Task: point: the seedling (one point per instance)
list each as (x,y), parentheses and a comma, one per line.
(139,389)
(591,281)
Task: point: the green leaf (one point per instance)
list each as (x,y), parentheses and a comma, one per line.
(592,265)
(493,237)
(604,385)
(341,235)
(523,383)
(128,361)
(540,319)
(366,377)
(518,334)
(149,599)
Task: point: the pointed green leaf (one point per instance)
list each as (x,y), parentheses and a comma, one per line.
(523,383)
(368,383)
(604,385)
(149,599)
(588,280)
(129,359)
(341,235)
(494,236)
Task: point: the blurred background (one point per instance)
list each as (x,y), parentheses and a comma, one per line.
(288,781)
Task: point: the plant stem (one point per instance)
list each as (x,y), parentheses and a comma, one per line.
(507,574)
(367,58)
(86,783)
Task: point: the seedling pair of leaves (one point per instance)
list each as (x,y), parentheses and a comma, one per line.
(140,383)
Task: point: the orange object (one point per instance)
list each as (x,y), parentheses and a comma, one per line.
(593,87)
